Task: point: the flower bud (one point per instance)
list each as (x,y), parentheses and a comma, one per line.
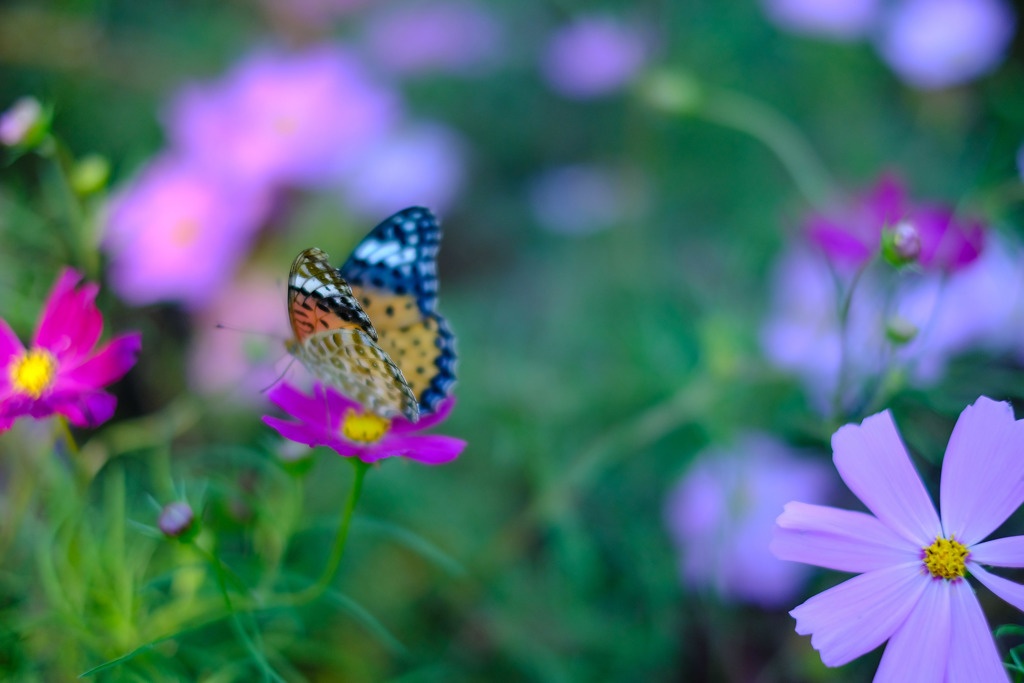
(90,174)
(902,244)
(672,92)
(899,330)
(24,124)
(177,520)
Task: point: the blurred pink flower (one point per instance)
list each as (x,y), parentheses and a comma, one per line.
(24,124)
(329,419)
(420,165)
(283,118)
(593,56)
(940,43)
(62,372)
(247,355)
(851,234)
(722,512)
(835,19)
(455,36)
(177,232)
(912,563)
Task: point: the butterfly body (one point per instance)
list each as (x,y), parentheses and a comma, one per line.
(370,328)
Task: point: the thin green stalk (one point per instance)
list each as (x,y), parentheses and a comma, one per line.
(844,346)
(338,549)
(778,133)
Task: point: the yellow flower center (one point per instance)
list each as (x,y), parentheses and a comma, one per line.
(945,558)
(364,427)
(32,372)
(184,233)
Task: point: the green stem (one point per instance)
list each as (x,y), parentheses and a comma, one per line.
(778,133)
(844,346)
(338,549)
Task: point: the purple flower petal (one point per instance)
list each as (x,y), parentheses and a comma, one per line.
(109,364)
(1009,591)
(838,539)
(402,426)
(972,652)
(309,409)
(1001,552)
(299,432)
(432,449)
(860,614)
(872,461)
(337,404)
(983,471)
(70,324)
(84,410)
(10,345)
(913,652)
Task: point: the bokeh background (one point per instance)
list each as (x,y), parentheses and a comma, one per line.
(620,185)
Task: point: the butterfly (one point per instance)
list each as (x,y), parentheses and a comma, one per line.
(370,328)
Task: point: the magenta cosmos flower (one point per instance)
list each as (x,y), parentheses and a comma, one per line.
(329,419)
(912,563)
(283,118)
(852,233)
(61,373)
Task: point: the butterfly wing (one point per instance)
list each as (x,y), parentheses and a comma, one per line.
(336,342)
(393,273)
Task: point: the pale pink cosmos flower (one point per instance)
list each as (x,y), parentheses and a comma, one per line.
(293,118)
(912,563)
(61,372)
(593,56)
(327,418)
(721,513)
(177,232)
(452,36)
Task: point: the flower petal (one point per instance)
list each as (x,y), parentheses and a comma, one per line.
(983,471)
(872,461)
(85,410)
(307,409)
(860,614)
(433,449)
(338,404)
(838,539)
(70,324)
(1001,552)
(310,434)
(108,365)
(9,345)
(972,651)
(403,426)
(915,651)
(1007,590)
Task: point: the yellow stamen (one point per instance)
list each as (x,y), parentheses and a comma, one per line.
(364,427)
(32,372)
(945,558)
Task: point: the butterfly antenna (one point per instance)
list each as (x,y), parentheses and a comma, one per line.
(271,335)
(279,377)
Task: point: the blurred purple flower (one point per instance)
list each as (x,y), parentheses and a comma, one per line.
(979,307)
(584,198)
(940,43)
(328,418)
(454,36)
(423,164)
(911,589)
(24,124)
(835,19)
(247,356)
(289,118)
(852,234)
(177,232)
(593,56)
(62,372)
(721,515)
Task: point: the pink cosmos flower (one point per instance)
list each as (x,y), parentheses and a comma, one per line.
(593,56)
(912,562)
(851,234)
(328,418)
(177,232)
(283,118)
(721,513)
(61,373)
